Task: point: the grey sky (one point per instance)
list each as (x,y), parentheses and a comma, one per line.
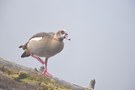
(102,33)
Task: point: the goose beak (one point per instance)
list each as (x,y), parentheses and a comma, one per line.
(66,37)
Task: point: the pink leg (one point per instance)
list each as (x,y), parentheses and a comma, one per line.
(45,72)
(39,59)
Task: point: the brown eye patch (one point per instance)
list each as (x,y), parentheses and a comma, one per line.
(62,32)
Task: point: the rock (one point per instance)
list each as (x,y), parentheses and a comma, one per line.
(17,77)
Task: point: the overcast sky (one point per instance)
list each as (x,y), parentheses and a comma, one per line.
(102,33)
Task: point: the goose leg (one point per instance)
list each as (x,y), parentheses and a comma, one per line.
(45,71)
(39,59)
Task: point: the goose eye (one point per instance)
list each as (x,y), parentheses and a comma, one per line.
(62,32)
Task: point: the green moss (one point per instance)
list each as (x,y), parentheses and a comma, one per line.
(23,77)
(51,86)
(47,83)
(26,80)
(48,86)
(9,72)
(13,76)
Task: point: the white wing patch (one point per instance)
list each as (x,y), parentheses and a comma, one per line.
(36,39)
